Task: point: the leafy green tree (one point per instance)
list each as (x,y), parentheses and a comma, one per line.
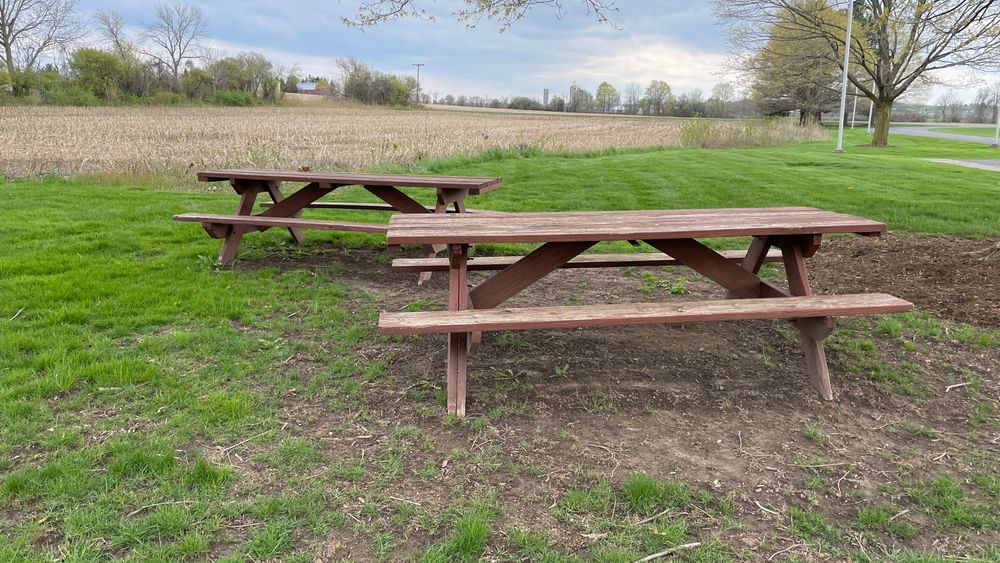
(291,84)
(894,45)
(196,84)
(659,99)
(607,98)
(98,72)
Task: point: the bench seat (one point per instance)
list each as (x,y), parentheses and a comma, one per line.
(484,263)
(639,313)
(366,206)
(289,222)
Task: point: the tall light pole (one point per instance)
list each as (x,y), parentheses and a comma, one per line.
(418,65)
(871,110)
(854,112)
(843,85)
(996,139)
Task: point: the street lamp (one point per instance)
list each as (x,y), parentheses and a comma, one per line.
(843,85)
(996,139)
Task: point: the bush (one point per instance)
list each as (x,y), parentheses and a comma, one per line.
(165,98)
(69,95)
(233,98)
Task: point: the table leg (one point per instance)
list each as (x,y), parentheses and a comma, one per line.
(248,195)
(709,263)
(458,353)
(812,331)
(274,190)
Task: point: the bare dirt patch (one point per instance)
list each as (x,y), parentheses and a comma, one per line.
(938,274)
(724,406)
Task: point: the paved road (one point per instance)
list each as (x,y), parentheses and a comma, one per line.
(926,132)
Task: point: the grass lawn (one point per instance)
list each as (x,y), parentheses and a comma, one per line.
(144,391)
(978,131)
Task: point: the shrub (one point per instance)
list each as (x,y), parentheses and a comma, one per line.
(232,98)
(165,98)
(69,95)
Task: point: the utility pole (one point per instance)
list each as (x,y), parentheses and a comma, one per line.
(843,86)
(418,65)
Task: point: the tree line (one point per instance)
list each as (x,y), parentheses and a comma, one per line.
(167,62)
(655,99)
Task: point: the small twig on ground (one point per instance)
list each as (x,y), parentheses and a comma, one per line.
(768,510)
(238,444)
(148,506)
(826,464)
(789,548)
(17,314)
(849,471)
(653,517)
(942,456)
(669,551)
(950,387)
(413,502)
(898,514)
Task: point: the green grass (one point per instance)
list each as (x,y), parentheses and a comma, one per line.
(142,389)
(977,131)
(948,502)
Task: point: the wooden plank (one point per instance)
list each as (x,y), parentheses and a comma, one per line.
(486,263)
(248,195)
(715,267)
(511,280)
(476,185)
(268,222)
(757,254)
(812,331)
(622,225)
(292,205)
(362,206)
(274,190)
(458,343)
(640,313)
(397,199)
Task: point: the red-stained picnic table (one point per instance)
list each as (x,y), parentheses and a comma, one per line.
(795,233)
(286,212)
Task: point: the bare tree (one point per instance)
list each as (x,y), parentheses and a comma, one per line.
(630,98)
(946,102)
(110,25)
(177,32)
(31,28)
(895,43)
(505,12)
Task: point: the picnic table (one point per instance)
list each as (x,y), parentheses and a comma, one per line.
(788,234)
(286,211)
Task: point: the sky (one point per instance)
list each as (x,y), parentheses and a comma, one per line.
(673,40)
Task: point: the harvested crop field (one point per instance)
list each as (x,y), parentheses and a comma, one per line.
(41,140)
(114,140)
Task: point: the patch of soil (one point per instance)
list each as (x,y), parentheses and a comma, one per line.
(720,405)
(935,273)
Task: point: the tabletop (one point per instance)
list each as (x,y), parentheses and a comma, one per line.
(623,225)
(475,185)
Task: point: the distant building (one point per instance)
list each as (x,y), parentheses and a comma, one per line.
(306,88)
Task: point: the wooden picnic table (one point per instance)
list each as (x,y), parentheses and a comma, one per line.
(286,211)
(795,233)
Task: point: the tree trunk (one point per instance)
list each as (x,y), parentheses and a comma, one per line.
(883,110)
